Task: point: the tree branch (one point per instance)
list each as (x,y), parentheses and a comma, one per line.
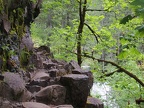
(96,10)
(93,32)
(109,74)
(138,101)
(78,1)
(100,9)
(120,69)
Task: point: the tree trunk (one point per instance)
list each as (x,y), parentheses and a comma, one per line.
(82,12)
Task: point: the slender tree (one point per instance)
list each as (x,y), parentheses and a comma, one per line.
(82,13)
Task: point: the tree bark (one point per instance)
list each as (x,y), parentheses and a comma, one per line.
(82,12)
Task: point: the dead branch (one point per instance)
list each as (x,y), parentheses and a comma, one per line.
(109,74)
(119,67)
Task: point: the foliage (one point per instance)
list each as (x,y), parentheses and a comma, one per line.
(119,30)
(58,26)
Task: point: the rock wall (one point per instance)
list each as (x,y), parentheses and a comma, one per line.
(15,40)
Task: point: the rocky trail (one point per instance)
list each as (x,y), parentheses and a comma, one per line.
(47,83)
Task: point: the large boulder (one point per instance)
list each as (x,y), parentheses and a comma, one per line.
(40,75)
(74,68)
(57,72)
(53,72)
(71,66)
(34,105)
(26,96)
(5,103)
(77,89)
(49,64)
(94,103)
(33,88)
(63,106)
(36,60)
(74,64)
(13,88)
(13,85)
(54,94)
(45,50)
(85,72)
(38,79)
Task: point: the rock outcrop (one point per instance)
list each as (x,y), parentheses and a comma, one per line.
(49,84)
(54,95)
(34,105)
(77,89)
(13,88)
(94,103)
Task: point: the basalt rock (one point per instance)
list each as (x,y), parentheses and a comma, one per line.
(33,88)
(40,76)
(64,106)
(13,88)
(74,68)
(85,72)
(34,105)
(94,103)
(46,50)
(13,85)
(77,89)
(71,66)
(49,65)
(53,72)
(5,103)
(54,94)
(48,82)
(36,60)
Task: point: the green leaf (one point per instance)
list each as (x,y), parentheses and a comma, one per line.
(138,3)
(124,42)
(126,19)
(130,53)
(134,51)
(123,55)
(140,28)
(140,12)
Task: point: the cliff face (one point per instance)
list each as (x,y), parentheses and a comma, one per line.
(15,19)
